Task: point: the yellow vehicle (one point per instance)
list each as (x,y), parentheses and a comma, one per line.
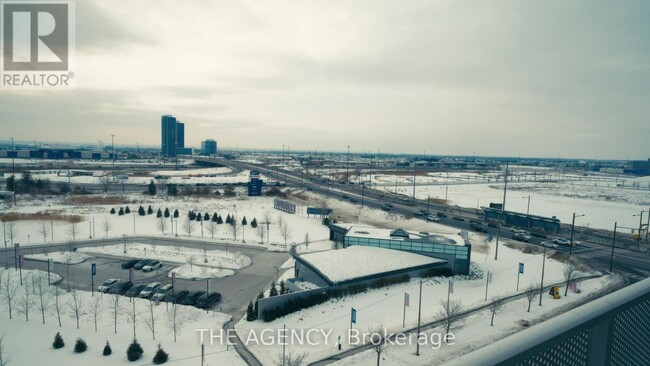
(555,292)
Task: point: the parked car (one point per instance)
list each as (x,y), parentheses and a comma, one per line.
(562,241)
(176,296)
(121,288)
(549,244)
(141,263)
(191,298)
(130,263)
(106,285)
(521,237)
(135,291)
(152,266)
(162,291)
(433,218)
(149,290)
(207,300)
(441,214)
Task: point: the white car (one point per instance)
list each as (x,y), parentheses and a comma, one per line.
(548,244)
(433,218)
(150,290)
(106,285)
(562,241)
(152,266)
(162,292)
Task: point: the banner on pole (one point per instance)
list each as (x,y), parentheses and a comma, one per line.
(451,287)
(521,268)
(93,269)
(354,316)
(407,299)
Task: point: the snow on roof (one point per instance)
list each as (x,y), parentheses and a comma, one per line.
(361,261)
(376,233)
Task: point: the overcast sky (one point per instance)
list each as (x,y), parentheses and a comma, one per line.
(505,78)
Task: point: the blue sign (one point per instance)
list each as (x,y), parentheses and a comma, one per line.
(255,187)
(354,316)
(521,268)
(93,268)
(319,211)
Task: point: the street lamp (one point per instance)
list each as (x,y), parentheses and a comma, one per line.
(67,268)
(638,238)
(573,225)
(528,209)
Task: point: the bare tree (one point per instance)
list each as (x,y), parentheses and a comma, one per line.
(570,271)
(26,301)
(233,228)
(176,319)
(57,304)
(290,359)
(307,241)
(280,220)
(531,292)
(212,228)
(188,226)
(95,309)
(162,224)
(191,260)
(133,315)
(150,321)
(76,305)
(261,231)
(377,340)
(107,226)
(115,310)
(9,291)
(495,306)
(73,230)
(44,229)
(268,222)
(43,295)
(5,356)
(450,314)
(285,232)
(12,232)
(105,182)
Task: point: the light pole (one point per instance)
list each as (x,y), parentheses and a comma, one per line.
(124,236)
(611,261)
(541,286)
(528,209)
(638,238)
(573,225)
(13,167)
(417,347)
(347,166)
(67,269)
(505,189)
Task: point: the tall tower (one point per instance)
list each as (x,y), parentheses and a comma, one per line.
(169,135)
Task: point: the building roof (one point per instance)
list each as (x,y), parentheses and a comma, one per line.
(401,234)
(360,261)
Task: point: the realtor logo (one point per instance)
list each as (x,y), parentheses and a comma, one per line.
(37,43)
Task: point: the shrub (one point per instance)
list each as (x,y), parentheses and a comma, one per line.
(244,221)
(254,223)
(159,213)
(149,210)
(58,341)
(161,356)
(166,212)
(176,213)
(107,349)
(141,211)
(206,217)
(135,351)
(113,211)
(127,210)
(121,213)
(80,346)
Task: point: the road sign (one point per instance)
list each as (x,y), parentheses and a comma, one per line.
(354,316)
(521,268)
(407,299)
(93,268)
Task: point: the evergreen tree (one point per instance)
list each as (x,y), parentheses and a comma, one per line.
(254,223)
(58,341)
(107,349)
(176,213)
(326,221)
(167,214)
(228,219)
(191,215)
(206,217)
(149,210)
(121,213)
(135,351)
(199,217)
(259,296)
(172,190)
(26,182)
(127,210)
(113,211)
(219,220)
(215,217)
(244,222)
(141,211)
(250,312)
(161,356)
(152,188)
(11,183)
(159,213)
(283,288)
(274,291)
(80,346)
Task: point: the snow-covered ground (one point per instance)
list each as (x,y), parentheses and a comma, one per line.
(199,272)
(385,306)
(192,176)
(215,258)
(59,257)
(30,342)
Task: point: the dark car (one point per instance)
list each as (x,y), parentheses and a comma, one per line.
(135,291)
(130,263)
(345,196)
(441,214)
(141,263)
(458,218)
(121,288)
(492,225)
(477,227)
(191,298)
(521,237)
(207,300)
(385,208)
(175,296)
(537,234)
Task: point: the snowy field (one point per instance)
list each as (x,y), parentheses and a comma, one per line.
(30,342)
(58,257)
(383,305)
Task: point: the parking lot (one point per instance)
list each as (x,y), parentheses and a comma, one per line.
(236,290)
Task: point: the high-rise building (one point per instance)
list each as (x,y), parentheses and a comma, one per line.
(208,147)
(173,135)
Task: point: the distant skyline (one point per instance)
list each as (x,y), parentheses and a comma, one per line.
(504,78)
